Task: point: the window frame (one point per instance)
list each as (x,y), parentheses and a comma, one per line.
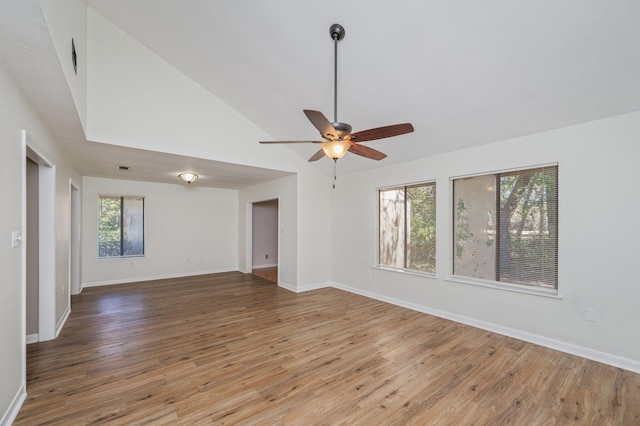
(405,269)
(502,285)
(144,227)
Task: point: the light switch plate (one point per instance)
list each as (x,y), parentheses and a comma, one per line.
(16,237)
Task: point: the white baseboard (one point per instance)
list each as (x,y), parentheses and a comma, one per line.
(303,288)
(271,265)
(154,277)
(316,286)
(32,338)
(14,408)
(287,286)
(63,320)
(570,348)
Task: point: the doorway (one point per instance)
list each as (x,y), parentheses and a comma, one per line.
(32,252)
(75,282)
(39,220)
(264,240)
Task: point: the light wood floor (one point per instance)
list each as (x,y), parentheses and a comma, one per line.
(232,348)
(269,274)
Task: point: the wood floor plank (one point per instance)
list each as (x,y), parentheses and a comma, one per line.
(232,348)
(269,273)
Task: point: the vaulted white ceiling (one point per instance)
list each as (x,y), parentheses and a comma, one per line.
(464,73)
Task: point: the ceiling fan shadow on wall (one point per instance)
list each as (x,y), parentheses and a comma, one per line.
(338,139)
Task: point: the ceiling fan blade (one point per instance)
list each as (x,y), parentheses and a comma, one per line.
(381,132)
(321,123)
(290,141)
(367,152)
(318,155)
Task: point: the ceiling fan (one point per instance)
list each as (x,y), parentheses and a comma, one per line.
(337,136)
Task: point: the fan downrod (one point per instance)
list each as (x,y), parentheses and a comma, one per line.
(336,31)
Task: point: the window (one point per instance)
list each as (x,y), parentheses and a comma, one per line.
(407,227)
(505,227)
(120,226)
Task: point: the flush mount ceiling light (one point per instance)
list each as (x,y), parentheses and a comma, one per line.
(188,177)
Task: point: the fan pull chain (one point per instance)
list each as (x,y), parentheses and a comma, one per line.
(335,162)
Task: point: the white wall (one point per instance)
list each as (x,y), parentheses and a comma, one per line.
(135,98)
(265,234)
(67,20)
(189,230)
(304,202)
(598,240)
(314,229)
(285,191)
(16,114)
(11,298)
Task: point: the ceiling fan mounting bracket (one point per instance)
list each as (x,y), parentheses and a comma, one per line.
(337,32)
(343,129)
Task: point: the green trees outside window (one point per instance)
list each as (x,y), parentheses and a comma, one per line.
(506,227)
(407,227)
(120,226)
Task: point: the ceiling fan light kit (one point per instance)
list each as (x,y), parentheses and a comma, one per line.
(338,139)
(335,149)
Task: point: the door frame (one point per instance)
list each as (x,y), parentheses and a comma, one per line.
(46,240)
(249,232)
(75,239)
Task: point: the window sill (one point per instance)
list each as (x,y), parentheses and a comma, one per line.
(111,258)
(405,271)
(554,294)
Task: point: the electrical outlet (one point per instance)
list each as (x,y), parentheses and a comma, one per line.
(591,315)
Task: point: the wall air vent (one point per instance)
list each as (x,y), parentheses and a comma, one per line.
(74,57)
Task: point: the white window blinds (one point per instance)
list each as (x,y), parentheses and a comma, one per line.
(506,227)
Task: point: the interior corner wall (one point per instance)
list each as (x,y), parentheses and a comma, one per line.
(599,209)
(40,141)
(304,203)
(11,300)
(17,114)
(285,191)
(189,230)
(135,98)
(67,20)
(315,199)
